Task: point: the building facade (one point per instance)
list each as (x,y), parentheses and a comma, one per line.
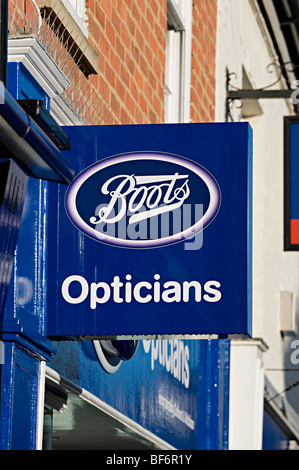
(75,64)
(263,27)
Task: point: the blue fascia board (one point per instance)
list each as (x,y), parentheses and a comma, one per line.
(35,344)
(44,161)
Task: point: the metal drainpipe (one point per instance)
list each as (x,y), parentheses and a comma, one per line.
(3,40)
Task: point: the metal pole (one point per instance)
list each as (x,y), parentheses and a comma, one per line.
(259,94)
(3,40)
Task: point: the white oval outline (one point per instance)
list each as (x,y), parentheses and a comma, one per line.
(107,366)
(199,170)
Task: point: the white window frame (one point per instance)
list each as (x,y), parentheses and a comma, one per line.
(77,8)
(178,61)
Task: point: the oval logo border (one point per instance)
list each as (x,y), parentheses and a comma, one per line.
(199,170)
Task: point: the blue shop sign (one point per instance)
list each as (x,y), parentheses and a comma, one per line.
(175,388)
(153,236)
(291,188)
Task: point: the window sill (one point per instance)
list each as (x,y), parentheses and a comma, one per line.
(61,16)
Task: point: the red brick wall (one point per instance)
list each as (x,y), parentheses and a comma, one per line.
(203,61)
(129,36)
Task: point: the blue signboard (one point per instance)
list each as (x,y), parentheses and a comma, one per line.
(153,236)
(176,388)
(291,186)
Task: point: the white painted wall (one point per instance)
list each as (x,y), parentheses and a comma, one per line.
(246,395)
(243,41)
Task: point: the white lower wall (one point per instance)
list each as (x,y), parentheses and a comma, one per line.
(246,395)
(244,47)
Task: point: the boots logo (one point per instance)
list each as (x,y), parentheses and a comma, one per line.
(143,200)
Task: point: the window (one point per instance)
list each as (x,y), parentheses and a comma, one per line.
(79,7)
(178,60)
(78,11)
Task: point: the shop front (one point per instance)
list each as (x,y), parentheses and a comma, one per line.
(100,330)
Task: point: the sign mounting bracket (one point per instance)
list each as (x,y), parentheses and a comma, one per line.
(236,94)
